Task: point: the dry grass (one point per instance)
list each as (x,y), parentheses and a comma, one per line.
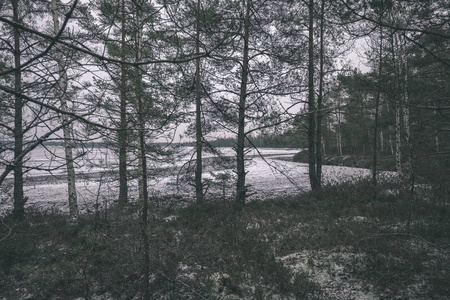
(337,244)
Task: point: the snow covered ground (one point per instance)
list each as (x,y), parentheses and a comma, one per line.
(267,177)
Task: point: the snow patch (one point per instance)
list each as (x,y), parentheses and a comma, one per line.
(327,269)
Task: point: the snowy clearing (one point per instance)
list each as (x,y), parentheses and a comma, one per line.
(267,177)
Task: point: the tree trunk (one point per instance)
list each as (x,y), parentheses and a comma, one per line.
(198,115)
(338,133)
(311,104)
(436,133)
(62,84)
(398,141)
(122,135)
(398,105)
(143,192)
(320,101)
(381,141)
(405,112)
(410,162)
(377,108)
(241,189)
(19,200)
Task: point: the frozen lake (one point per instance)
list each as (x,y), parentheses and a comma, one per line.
(269,176)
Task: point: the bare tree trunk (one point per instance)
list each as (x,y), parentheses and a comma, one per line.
(405,112)
(338,133)
(311,104)
(398,119)
(398,141)
(320,101)
(19,200)
(143,192)
(377,108)
(381,141)
(241,189)
(198,115)
(406,124)
(436,135)
(436,132)
(324,153)
(338,142)
(122,135)
(62,84)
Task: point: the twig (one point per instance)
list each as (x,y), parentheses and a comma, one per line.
(192,289)
(183,283)
(8,234)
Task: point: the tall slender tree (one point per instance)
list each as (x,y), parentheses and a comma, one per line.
(241,189)
(122,134)
(198,113)
(62,89)
(376,116)
(19,199)
(312,108)
(320,97)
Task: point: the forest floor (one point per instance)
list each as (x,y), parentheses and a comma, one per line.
(336,244)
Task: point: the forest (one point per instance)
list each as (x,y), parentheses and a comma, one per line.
(161,86)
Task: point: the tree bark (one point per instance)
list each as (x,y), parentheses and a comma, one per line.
(377,108)
(19,200)
(409,145)
(338,132)
(320,101)
(62,85)
(241,189)
(436,133)
(198,115)
(406,121)
(398,120)
(143,192)
(311,103)
(398,141)
(122,134)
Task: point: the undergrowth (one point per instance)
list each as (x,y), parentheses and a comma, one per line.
(339,243)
